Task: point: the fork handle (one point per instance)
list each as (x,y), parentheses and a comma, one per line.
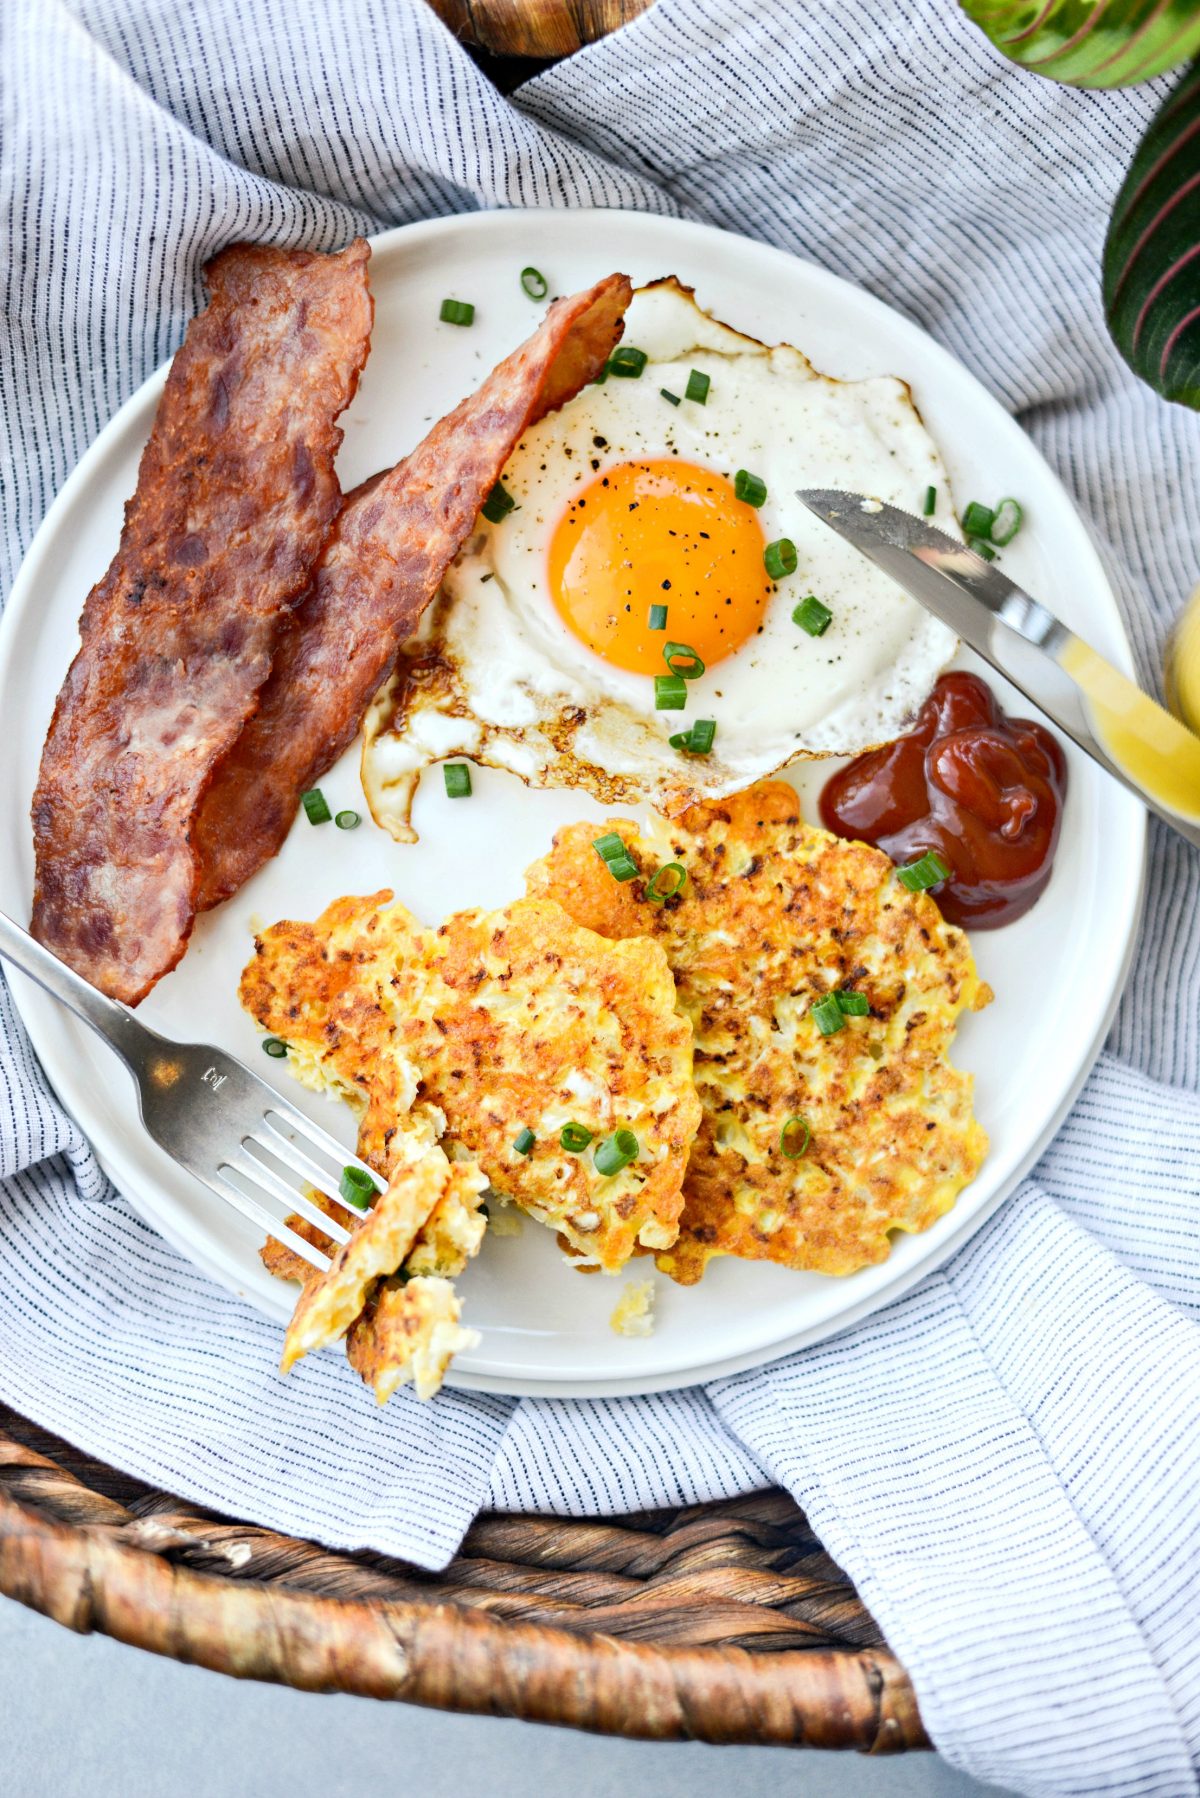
(109,1017)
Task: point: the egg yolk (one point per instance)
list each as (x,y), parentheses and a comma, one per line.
(659,533)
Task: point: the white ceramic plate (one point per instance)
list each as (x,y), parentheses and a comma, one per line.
(1057,973)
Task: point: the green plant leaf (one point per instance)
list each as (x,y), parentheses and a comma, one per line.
(1152,255)
(1092,43)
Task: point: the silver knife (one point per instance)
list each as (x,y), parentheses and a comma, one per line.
(1132,737)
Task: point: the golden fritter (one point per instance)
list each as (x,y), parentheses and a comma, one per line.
(408,1331)
(512,1024)
(379,1243)
(774,917)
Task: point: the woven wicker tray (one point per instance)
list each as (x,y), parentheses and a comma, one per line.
(720,1623)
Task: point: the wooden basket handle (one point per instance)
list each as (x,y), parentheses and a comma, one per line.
(547,29)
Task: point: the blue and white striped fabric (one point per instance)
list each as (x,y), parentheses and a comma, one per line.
(1007,1459)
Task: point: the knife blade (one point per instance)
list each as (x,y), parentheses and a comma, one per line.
(1131,736)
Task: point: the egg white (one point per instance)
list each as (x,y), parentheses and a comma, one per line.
(515,688)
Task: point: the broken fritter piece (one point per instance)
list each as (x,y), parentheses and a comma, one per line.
(775,917)
(380,1243)
(408,1330)
(516,1023)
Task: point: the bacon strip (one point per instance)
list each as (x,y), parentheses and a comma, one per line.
(387,554)
(235,496)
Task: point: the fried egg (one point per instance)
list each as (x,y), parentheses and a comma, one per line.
(641,539)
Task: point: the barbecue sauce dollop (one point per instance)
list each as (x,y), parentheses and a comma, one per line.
(982,789)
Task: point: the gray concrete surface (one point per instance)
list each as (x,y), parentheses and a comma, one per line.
(83,1717)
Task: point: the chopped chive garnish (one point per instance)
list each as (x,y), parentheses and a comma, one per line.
(682,660)
(615,855)
(457,776)
(697,741)
(609,845)
(498,504)
(929,870)
(348,820)
(457,312)
(316,810)
(827,1015)
(533,281)
(1007,522)
(524,1140)
(780,558)
(666,883)
(812,616)
(670,693)
(357,1188)
(657,620)
(668,395)
(616,1152)
(749,487)
(795,1137)
(627,362)
(575,1138)
(930,506)
(977,520)
(982,547)
(697,387)
(852,1004)
(275,1047)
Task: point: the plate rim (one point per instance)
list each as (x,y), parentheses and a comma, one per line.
(45,1024)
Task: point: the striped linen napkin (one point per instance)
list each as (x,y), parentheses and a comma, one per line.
(1005,1460)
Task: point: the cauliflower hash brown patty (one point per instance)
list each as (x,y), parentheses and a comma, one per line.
(511,1023)
(774,916)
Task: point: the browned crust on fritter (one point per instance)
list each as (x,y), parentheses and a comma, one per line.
(774,916)
(388,552)
(235,497)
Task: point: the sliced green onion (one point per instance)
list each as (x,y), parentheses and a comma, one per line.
(316,810)
(498,504)
(357,1188)
(930,506)
(780,558)
(668,395)
(795,1137)
(524,1140)
(670,693)
(675,877)
(977,520)
(616,1152)
(697,388)
(812,616)
(682,660)
(275,1047)
(982,547)
(533,281)
(609,846)
(827,1015)
(852,1004)
(749,487)
(697,741)
(457,776)
(929,870)
(615,855)
(657,620)
(575,1138)
(457,312)
(627,362)
(1007,522)
(348,820)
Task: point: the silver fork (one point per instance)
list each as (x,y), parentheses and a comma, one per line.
(209,1112)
